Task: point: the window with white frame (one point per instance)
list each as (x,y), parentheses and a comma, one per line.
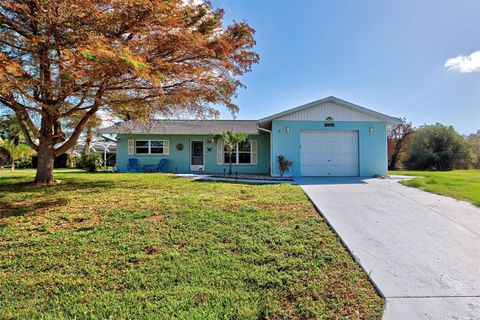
(242,153)
(151,147)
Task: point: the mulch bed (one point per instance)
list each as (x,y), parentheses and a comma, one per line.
(251,177)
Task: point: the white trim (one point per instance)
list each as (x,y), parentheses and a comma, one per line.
(197,167)
(131,146)
(166,147)
(220,152)
(237,152)
(164,143)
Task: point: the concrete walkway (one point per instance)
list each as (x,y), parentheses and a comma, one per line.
(422,251)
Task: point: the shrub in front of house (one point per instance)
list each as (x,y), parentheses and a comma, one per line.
(438,147)
(90,162)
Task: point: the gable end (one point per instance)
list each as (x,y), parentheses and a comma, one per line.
(328,111)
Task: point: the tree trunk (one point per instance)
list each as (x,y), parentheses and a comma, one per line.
(393,161)
(230,164)
(13,165)
(88,140)
(70,155)
(46,156)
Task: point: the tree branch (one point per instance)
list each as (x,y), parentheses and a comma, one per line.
(81,124)
(25,132)
(15,46)
(25,116)
(15,27)
(78,105)
(19,108)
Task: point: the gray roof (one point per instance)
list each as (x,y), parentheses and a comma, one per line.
(182,127)
(210,127)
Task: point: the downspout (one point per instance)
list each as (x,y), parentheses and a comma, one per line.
(270,134)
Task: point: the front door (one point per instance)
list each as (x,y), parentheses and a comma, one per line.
(196,156)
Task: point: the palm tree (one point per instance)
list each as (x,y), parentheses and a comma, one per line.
(13,152)
(230,141)
(10,129)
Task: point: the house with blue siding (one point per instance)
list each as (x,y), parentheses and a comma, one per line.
(328,137)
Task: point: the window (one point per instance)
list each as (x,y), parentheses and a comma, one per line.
(156,146)
(245,152)
(141,147)
(151,147)
(226,157)
(242,154)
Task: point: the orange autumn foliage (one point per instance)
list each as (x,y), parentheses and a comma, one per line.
(136,58)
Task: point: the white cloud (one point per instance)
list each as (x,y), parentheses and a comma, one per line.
(465,64)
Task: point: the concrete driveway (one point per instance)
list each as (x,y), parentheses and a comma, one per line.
(422,250)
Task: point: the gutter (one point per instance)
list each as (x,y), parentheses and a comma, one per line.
(270,133)
(107,138)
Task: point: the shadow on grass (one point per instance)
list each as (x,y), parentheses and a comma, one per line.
(7,180)
(64,185)
(14,210)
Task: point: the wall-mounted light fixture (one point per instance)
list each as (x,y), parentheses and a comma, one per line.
(371,130)
(287,129)
(329,119)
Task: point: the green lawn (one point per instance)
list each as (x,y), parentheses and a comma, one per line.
(459,184)
(154,246)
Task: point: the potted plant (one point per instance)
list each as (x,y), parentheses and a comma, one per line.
(284,165)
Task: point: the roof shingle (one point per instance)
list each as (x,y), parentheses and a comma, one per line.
(182,127)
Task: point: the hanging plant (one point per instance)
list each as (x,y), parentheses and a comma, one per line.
(180,146)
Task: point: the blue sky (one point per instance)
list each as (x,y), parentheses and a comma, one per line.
(388,56)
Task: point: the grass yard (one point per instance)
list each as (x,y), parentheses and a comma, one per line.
(459,184)
(154,246)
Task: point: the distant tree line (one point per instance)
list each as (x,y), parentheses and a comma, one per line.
(431,147)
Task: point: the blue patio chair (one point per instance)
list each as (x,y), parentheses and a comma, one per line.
(133,165)
(161,165)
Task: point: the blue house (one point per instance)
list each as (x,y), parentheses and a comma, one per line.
(328,137)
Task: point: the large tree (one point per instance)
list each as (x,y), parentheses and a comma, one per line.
(474,141)
(70,58)
(398,137)
(438,147)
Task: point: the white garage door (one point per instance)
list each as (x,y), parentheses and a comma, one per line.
(329,153)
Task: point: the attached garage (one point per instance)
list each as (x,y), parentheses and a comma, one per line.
(329,138)
(329,153)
